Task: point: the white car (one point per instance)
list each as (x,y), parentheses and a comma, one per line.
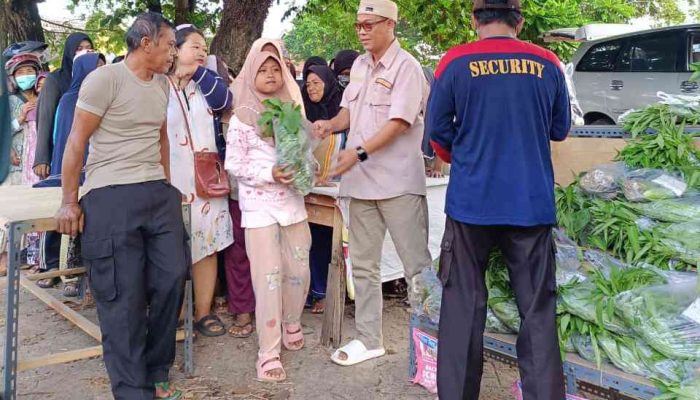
(619,73)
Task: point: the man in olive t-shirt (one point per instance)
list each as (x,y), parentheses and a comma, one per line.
(133,239)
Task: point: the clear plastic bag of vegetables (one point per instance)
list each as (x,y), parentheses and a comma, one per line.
(583,300)
(294,142)
(587,347)
(504,308)
(684,209)
(604,262)
(686,233)
(621,351)
(568,263)
(660,316)
(494,325)
(425,286)
(647,184)
(603,180)
(663,368)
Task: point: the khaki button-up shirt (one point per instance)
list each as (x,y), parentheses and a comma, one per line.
(392,88)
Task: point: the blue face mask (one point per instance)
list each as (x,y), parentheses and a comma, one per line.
(26,82)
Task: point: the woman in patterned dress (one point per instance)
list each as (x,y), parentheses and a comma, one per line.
(196,93)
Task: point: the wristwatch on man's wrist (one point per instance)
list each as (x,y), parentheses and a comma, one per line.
(362,154)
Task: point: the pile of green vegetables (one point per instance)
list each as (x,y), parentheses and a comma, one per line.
(283,122)
(636,227)
(609,311)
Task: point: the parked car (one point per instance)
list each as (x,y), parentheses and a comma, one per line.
(615,74)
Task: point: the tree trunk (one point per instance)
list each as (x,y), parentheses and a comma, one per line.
(20,20)
(182,8)
(241,24)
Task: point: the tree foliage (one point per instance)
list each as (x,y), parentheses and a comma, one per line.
(428,28)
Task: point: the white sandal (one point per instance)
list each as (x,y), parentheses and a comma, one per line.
(357,353)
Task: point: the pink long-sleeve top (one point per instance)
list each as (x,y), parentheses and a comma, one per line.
(263,202)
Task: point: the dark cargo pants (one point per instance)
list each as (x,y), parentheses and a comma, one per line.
(137,254)
(529,253)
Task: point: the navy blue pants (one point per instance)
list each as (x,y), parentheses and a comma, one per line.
(320,259)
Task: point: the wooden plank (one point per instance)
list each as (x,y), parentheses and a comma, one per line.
(56,274)
(320,199)
(332,329)
(59,358)
(78,320)
(70,356)
(321,215)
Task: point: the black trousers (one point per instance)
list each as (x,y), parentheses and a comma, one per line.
(529,253)
(137,254)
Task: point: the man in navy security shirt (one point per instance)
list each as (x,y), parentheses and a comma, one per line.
(495,106)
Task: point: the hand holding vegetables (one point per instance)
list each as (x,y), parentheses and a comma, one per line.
(281,175)
(296,164)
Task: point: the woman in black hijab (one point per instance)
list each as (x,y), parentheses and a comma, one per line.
(342,64)
(322,96)
(55,85)
(315,60)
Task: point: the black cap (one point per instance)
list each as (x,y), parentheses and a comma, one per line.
(496,5)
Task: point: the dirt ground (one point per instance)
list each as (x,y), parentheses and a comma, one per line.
(224,366)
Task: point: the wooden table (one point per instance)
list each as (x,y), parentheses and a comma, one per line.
(24,210)
(322,208)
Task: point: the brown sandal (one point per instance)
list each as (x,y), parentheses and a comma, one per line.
(241,331)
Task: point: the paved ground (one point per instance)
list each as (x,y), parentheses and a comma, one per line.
(225,366)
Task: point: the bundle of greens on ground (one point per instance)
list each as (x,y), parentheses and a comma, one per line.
(283,122)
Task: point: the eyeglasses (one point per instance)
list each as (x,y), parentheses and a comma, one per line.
(368,26)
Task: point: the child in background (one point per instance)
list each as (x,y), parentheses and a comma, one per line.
(273,214)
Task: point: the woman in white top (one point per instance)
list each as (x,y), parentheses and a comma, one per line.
(196,93)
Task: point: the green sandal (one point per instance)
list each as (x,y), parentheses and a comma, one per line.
(165,386)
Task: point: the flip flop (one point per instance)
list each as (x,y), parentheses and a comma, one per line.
(265,366)
(165,386)
(357,353)
(205,329)
(242,334)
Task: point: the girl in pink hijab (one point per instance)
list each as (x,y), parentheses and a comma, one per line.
(272,213)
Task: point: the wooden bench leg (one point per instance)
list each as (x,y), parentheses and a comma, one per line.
(332,330)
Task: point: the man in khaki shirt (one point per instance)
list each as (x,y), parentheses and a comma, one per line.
(382,169)
(133,240)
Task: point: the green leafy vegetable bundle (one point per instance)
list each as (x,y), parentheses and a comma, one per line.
(283,122)
(656,315)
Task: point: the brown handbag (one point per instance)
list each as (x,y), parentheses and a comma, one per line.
(210,177)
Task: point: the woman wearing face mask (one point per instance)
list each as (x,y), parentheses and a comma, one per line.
(342,64)
(22,70)
(196,93)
